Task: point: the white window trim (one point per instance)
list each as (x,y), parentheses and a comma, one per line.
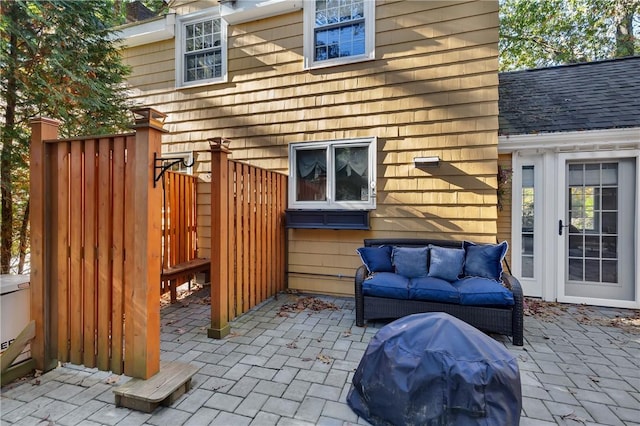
(187,159)
(192,18)
(309,29)
(331,203)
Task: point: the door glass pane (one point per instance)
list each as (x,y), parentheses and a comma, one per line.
(592,270)
(592,246)
(609,198)
(610,174)
(311,175)
(610,271)
(575,269)
(610,223)
(527,266)
(609,247)
(528,203)
(576,247)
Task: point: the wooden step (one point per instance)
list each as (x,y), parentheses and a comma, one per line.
(173,380)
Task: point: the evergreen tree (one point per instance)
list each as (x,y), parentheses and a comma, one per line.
(543,33)
(60,60)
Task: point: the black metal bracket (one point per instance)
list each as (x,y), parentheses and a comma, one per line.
(159,165)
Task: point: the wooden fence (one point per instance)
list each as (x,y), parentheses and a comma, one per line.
(96,244)
(95,248)
(248,242)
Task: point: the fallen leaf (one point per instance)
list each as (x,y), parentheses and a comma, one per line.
(325,359)
(112,379)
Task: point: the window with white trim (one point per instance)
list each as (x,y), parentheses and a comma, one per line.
(201,49)
(334,175)
(338,32)
(528,218)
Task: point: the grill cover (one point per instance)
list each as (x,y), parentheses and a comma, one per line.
(434,369)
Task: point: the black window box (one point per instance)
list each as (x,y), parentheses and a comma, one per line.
(327,219)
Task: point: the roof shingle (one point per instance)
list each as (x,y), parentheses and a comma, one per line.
(587,96)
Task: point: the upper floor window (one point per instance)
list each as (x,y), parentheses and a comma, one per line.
(333,174)
(201,49)
(338,31)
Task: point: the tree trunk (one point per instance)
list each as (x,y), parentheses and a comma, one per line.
(8,133)
(624,36)
(23,238)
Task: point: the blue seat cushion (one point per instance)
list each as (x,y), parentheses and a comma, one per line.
(410,262)
(483,292)
(376,259)
(433,289)
(484,260)
(386,284)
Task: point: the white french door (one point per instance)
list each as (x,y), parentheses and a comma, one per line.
(597,230)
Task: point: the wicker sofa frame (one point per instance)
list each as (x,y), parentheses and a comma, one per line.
(507,321)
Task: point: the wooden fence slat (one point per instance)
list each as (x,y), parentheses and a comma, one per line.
(60,272)
(105,230)
(246,256)
(75,260)
(130,202)
(89,311)
(231,282)
(237,236)
(118,256)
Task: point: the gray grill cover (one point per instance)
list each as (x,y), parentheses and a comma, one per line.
(434,369)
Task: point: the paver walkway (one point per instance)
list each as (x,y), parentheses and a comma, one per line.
(295,368)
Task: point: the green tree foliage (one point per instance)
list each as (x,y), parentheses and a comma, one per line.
(544,33)
(60,61)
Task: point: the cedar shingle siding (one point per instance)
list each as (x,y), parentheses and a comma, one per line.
(431,91)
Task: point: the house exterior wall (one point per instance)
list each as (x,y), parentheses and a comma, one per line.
(431,91)
(504,212)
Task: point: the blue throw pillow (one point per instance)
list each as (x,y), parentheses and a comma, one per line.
(484,260)
(376,259)
(446,263)
(410,262)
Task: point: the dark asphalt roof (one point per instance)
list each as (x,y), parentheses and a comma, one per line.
(587,96)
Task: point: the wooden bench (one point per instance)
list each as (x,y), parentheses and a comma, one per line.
(184,270)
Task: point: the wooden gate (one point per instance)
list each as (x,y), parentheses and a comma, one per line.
(248,241)
(95,248)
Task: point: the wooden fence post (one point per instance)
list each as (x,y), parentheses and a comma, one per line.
(219,235)
(142,261)
(43,347)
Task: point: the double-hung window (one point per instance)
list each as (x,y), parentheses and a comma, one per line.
(338,31)
(201,49)
(336,175)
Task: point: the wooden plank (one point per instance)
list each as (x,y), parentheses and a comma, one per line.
(164,388)
(17,371)
(246,256)
(142,281)
(219,274)
(60,248)
(260,236)
(230,259)
(118,256)
(89,262)
(16,347)
(270,231)
(237,237)
(76,255)
(105,232)
(253,205)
